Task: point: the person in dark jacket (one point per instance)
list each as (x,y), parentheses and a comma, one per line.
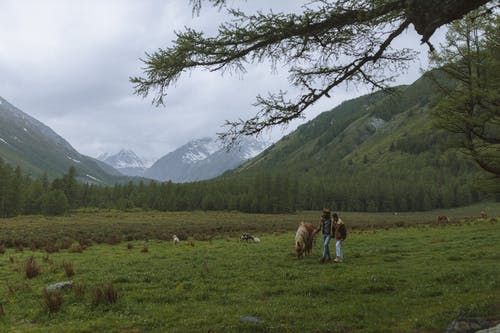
(326,228)
(340,235)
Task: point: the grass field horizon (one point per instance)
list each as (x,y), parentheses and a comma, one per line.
(403,272)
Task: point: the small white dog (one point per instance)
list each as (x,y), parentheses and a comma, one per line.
(175,239)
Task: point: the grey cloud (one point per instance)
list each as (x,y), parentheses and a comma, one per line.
(68,64)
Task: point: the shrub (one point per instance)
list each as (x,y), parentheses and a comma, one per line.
(76,248)
(113,240)
(51,248)
(144,248)
(2,310)
(2,249)
(68,268)
(52,301)
(104,294)
(31,268)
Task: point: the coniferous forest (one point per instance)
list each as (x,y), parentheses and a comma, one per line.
(387,190)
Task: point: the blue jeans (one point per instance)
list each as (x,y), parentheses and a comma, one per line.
(326,249)
(338,249)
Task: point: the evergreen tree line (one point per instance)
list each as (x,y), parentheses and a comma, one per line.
(353,188)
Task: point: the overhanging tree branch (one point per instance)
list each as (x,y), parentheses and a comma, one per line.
(329,43)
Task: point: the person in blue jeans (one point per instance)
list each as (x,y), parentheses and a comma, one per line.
(326,228)
(340,235)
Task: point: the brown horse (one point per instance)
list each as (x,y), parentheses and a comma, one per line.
(304,239)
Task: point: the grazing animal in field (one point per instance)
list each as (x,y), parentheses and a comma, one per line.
(249,238)
(443,218)
(304,239)
(483,214)
(246,237)
(175,239)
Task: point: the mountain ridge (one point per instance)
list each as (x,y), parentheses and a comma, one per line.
(37,149)
(202,159)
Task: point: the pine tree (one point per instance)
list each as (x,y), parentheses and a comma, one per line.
(471,106)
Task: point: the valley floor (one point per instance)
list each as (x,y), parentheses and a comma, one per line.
(417,277)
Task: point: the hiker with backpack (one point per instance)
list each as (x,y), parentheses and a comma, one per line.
(340,233)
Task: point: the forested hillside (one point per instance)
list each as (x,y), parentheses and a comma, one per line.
(379,152)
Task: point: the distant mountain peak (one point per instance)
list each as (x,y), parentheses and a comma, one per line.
(126,161)
(199,149)
(201,159)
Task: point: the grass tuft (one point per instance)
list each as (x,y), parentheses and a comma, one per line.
(76,247)
(68,268)
(79,290)
(104,294)
(32,268)
(52,301)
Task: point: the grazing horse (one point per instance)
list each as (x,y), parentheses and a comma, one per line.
(304,239)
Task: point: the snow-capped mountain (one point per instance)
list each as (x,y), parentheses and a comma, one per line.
(202,159)
(126,161)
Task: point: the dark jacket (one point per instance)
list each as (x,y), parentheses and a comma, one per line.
(340,230)
(323,220)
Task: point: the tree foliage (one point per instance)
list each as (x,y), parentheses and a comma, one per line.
(329,43)
(471,107)
(441,180)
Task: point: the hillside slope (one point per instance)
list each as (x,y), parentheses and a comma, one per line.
(376,152)
(37,149)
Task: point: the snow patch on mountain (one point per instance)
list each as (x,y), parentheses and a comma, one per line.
(94,178)
(200,149)
(72,159)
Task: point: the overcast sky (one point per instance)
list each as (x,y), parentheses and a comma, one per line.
(68,63)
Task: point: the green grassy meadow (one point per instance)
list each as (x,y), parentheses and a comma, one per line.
(402,273)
